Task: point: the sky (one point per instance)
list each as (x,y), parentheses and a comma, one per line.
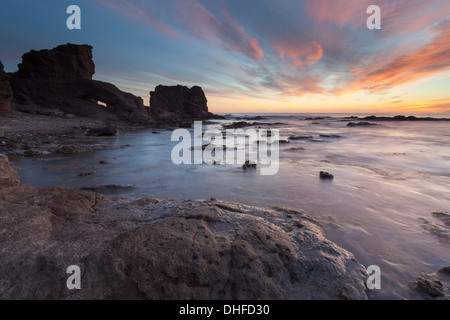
(254,56)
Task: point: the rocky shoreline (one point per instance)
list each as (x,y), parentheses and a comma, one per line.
(141,247)
(33,134)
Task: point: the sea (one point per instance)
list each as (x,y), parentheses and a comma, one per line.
(389,179)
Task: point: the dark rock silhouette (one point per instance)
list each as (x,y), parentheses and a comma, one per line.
(64,62)
(5,91)
(179,101)
(61,78)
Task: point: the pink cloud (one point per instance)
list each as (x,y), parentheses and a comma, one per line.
(338,11)
(226,32)
(132,12)
(298,52)
(300,87)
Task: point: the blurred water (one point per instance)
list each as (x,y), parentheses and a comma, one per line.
(386,178)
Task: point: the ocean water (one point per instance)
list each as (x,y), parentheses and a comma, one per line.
(388,180)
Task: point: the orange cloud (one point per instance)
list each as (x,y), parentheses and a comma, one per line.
(300,87)
(427,60)
(438,108)
(299,53)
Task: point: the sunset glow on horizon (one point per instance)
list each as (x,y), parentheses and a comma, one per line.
(256,56)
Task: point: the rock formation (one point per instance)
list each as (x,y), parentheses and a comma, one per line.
(61,63)
(5,91)
(61,78)
(171,102)
(144,248)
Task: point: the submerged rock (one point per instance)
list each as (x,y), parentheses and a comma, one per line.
(243,124)
(362,124)
(247,165)
(443,216)
(441,231)
(431,286)
(145,248)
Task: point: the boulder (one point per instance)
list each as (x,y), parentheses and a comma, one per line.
(179,101)
(61,78)
(5,91)
(8,176)
(326,175)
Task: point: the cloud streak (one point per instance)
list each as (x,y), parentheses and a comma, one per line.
(225,32)
(135,13)
(427,60)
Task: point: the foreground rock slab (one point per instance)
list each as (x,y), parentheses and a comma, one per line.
(140,247)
